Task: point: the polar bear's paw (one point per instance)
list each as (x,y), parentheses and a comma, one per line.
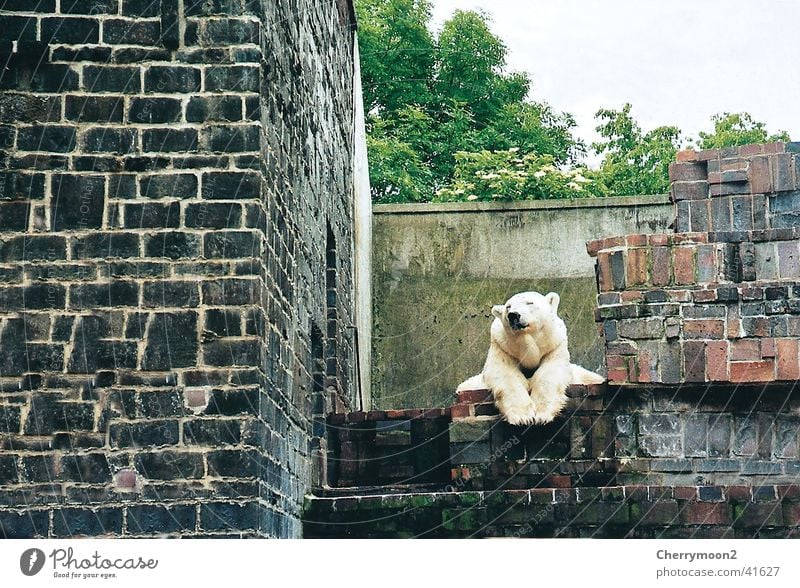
(518,413)
(547,415)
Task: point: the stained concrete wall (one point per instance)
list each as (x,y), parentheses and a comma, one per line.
(438,269)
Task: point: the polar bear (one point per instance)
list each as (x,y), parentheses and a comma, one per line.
(528,367)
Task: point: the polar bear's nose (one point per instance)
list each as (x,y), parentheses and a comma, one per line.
(513,318)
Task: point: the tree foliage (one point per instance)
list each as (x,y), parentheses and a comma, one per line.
(510,175)
(429,97)
(446,120)
(634,162)
(738,128)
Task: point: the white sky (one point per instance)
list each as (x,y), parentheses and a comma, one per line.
(677,62)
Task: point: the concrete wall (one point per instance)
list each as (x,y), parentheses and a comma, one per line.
(438,269)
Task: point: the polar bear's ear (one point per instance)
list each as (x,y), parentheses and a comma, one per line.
(553,299)
(497,310)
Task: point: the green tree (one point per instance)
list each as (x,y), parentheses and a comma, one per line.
(510,175)
(738,128)
(432,97)
(397,52)
(634,162)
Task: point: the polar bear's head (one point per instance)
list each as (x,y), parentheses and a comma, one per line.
(528,312)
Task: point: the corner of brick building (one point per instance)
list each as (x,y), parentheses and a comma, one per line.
(176,229)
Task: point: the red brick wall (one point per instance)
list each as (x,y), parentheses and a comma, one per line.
(719,300)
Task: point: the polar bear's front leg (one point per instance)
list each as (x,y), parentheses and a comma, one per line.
(549,389)
(509,388)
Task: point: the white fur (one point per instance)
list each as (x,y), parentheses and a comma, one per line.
(539,343)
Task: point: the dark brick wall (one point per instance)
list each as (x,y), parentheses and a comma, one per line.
(631,511)
(169,182)
(694,461)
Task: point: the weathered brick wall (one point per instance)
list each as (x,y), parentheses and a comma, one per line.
(175,177)
(720,303)
(694,461)
(632,511)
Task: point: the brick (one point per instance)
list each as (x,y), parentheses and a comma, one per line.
(217,516)
(214,108)
(704,329)
(644,328)
(231,244)
(789,259)
(243,401)
(168,343)
(213,215)
(126,80)
(172,245)
(178,186)
(117,31)
(783,172)
(152,216)
(684,265)
(230,292)
(51,138)
(150,434)
(32,248)
(229,31)
(170,293)
(210,432)
(728,189)
(77,201)
(694,361)
(85,522)
(90,468)
(224,323)
(746,350)
(230,185)
(72,31)
(689,190)
(154,110)
(752,371)
(231,139)
(617,265)
(753,515)
(687,171)
(119,141)
(636,267)
(760,176)
(728,176)
(232,79)
(159,519)
(163,79)
(116,293)
(787,367)
(140,8)
(106,109)
(36,296)
(24,525)
(105,245)
(662,268)
(603,269)
(699,215)
(169,140)
(169,465)
(670,362)
(705,513)
(225,352)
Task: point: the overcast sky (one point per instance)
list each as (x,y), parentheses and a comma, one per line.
(678,61)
